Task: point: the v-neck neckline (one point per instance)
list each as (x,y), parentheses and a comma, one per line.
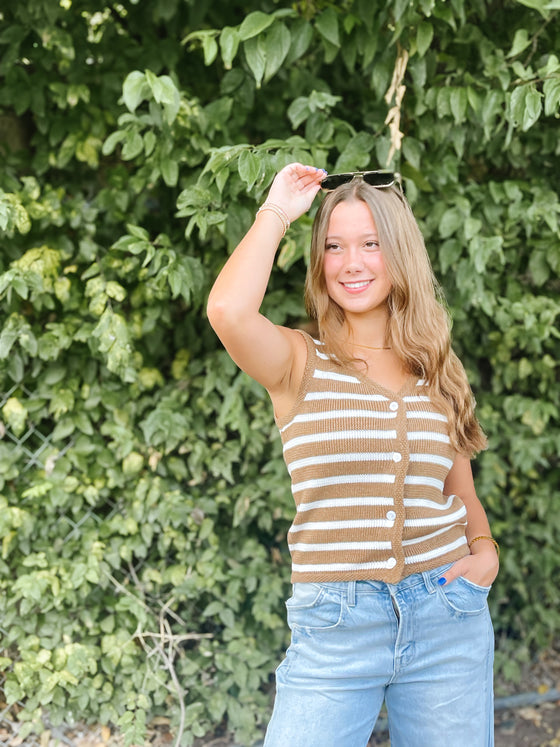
(376,385)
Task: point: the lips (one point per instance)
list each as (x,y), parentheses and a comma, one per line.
(357,285)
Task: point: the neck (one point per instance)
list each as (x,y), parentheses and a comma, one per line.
(373,333)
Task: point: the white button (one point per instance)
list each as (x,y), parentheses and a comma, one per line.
(394,406)
(397,457)
(391,563)
(391,515)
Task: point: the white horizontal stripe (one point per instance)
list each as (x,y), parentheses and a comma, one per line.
(332,567)
(424,503)
(427,436)
(437,552)
(426,415)
(332,376)
(338,546)
(416,398)
(342,395)
(427,482)
(432,459)
(337,435)
(344,502)
(370,456)
(322,356)
(310,417)
(437,521)
(430,536)
(327,526)
(324,482)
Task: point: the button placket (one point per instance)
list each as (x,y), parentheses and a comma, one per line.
(400,460)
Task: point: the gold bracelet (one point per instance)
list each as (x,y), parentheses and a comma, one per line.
(486,537)
(277,210)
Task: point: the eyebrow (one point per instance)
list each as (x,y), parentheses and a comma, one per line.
(363,236)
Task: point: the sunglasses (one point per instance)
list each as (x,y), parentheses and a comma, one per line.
(379,179)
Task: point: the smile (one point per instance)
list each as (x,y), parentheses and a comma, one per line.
(357,285)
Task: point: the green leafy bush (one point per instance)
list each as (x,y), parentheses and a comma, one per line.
(143,497)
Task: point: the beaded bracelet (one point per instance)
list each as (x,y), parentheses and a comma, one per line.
(486,537)
(277,210)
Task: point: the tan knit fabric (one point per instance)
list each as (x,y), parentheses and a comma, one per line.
(367,468)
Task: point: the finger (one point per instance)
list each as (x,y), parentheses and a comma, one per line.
(312,176)
(450,574)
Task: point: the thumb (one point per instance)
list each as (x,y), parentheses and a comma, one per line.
(451,574)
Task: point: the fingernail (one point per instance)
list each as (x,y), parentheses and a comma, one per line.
(441,581)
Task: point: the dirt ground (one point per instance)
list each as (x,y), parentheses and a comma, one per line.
(521,726)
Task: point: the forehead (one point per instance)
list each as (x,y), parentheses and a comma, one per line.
(351,217)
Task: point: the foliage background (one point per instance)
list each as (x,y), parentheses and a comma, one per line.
(143,499)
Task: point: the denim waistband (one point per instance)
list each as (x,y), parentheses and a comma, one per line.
(349,589)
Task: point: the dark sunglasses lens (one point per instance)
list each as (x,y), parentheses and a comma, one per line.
(336,180)
(379,179)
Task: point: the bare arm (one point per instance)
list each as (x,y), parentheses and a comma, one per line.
(268,353)
(481,566)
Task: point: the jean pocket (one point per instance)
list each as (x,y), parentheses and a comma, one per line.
(464,597)
(472,584)
(314,607)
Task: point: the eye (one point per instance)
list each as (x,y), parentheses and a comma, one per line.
(372,245)
(333,247)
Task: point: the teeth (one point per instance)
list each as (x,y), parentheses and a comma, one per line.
(361,284)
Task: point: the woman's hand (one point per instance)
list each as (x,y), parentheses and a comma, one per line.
(294,189)
(480,567)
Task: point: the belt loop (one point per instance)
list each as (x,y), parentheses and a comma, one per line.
(351,594)
(428,581)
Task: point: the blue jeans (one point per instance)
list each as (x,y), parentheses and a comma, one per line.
(426,649)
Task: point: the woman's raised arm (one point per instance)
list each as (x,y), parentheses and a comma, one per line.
(265,351)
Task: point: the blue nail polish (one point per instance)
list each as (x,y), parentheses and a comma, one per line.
(441,580)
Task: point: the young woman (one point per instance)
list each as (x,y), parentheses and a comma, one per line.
(392,554)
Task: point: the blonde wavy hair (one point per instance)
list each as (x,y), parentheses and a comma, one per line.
(419,326)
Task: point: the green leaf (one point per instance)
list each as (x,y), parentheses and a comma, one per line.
(482,249)
(249,167)
(277,45)
(551,90)
(301,34)
(135,88)
(298,111)
(229,43)
(327,25)
(540,5)
(254,24)
(133,145)
(169,171)
(450,222)
(521,41)
(256,58)
(112,141)
(424,36)
(532,100)
(210,48)
(458,101)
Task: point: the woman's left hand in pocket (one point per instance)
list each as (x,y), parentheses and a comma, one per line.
(481,566)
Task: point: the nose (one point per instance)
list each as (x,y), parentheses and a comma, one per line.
(354,261)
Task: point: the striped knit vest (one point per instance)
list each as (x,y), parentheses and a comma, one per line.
(368,467)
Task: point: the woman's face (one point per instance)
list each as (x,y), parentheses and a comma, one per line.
(353,265)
